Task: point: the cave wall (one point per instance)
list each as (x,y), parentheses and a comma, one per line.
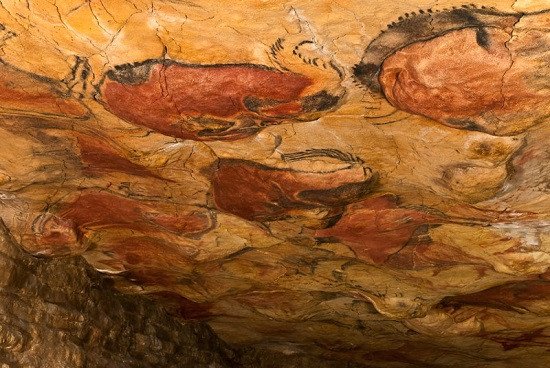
(61,313)
(358,181)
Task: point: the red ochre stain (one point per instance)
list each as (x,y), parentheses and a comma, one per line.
(208,102)
(94,210)
(406,352)
(422,252)
(147,258)
(100,158)
(152,276)
(535,337)
(261,193)
(376,227)
(52,235)
(506,297)
(417,257)
(23,93)
(150,253)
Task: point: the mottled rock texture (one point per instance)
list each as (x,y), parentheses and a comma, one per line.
(355,181)
(60,313)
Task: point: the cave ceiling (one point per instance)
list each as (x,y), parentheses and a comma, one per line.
(364,181)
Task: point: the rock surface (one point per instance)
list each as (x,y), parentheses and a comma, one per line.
(342,180)
(60,313)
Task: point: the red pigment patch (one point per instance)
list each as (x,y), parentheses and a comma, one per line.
(421,253)
(261,193)
(536,337)
(53,236)
(376,227)
(150,253)
(150,259)
(100,158)
(22,93)
(153,277)
(203,102)
(417,354)
(101,209)
(506,297)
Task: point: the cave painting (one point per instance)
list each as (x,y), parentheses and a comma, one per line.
(211,101)
(469,67)
(261,193)
(305,181)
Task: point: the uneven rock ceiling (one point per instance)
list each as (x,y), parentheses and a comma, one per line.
(361,181)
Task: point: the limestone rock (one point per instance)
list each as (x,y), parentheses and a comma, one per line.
(351,181)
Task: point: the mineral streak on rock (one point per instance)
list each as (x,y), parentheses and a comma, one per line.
(209,102)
